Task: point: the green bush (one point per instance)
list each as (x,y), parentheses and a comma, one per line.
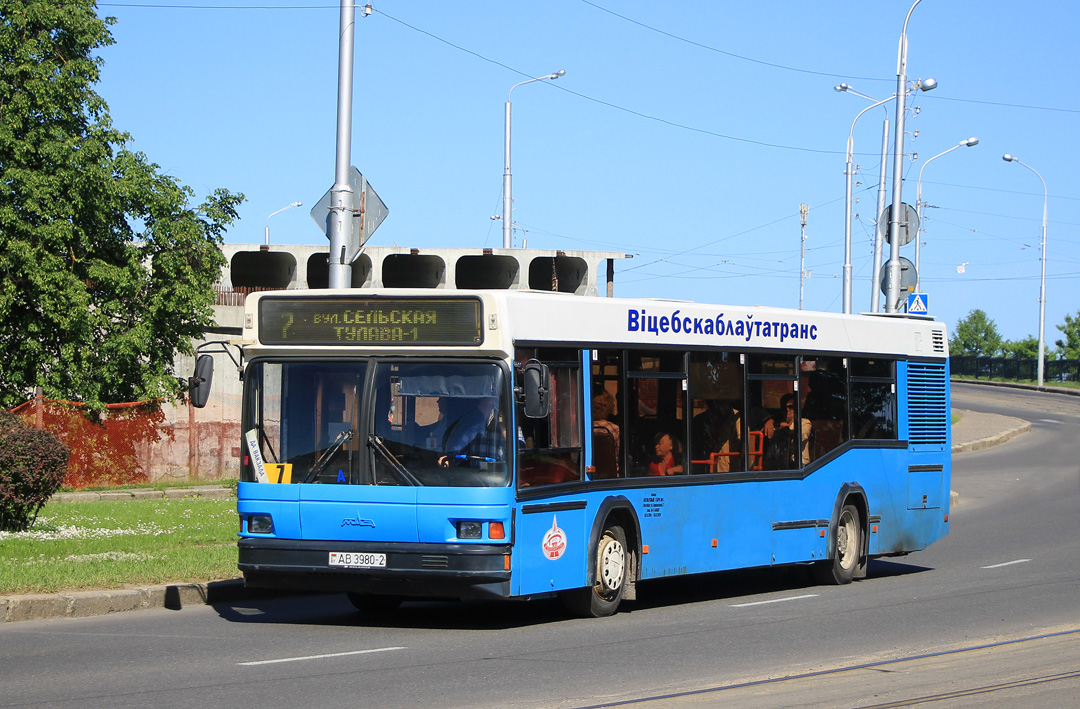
(32,467)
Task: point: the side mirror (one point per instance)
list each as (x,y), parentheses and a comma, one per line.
(199,385)
(535,378)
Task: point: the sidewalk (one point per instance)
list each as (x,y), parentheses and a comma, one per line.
(974,431)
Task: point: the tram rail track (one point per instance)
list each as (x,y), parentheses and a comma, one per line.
(770,691)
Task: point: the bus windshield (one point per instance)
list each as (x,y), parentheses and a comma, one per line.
(421,423)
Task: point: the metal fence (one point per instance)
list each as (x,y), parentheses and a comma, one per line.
(1055,370)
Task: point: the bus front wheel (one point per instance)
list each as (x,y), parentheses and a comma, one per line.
(847,543)
(603,597)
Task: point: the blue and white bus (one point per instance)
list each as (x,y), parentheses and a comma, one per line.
(411,443)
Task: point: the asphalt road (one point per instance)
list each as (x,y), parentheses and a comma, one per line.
(989,615)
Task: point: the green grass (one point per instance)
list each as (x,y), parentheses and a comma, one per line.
(87,545)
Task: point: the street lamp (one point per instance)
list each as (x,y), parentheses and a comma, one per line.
(848,172)
(267,236)
(507,218)
(970,142)
(892,297)
(1042,287)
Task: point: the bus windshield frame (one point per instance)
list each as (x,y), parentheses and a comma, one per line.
(377,421)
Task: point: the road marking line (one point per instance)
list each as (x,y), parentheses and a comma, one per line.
(320,657)
(1007,563)
(775,600)
(1051,421)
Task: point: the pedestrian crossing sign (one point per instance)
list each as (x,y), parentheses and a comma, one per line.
(917,304)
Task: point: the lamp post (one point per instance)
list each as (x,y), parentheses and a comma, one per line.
(1042,287)
(874,302)
(267,235)
(892,297)
(849,171)
(970,142)
(507,218)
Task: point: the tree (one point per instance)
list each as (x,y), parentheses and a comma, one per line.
(107,269)
(1069,348)
(975,335)
(1026,348)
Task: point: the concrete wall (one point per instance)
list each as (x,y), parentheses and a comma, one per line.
(205,443)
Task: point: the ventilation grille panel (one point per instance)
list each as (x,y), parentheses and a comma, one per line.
(928,412)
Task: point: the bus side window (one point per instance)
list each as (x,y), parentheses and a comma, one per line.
(656,403)
(716,384)
(873,398)
(823,391)
(607,424)
(550,449)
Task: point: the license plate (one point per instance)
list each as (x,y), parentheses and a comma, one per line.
(355,560)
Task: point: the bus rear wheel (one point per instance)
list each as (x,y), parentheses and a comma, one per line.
(603,597)
(847,545)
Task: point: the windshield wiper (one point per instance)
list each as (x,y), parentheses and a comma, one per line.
(403,472)
(324,459)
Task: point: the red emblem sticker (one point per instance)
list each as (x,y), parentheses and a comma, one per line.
(554,541)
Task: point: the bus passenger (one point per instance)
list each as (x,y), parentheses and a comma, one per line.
(603,407)
(668,460)
(782,451)
(717,429)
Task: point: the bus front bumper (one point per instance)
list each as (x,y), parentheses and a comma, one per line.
(415,570)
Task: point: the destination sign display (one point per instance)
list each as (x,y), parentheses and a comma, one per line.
(370,321)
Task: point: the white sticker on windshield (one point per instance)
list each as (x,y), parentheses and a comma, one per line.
(252,438)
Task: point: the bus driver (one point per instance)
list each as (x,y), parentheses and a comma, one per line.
(475,435)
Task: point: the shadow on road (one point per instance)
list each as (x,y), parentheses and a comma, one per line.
(473,614)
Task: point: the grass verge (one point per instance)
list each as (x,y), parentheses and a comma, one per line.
(104,544)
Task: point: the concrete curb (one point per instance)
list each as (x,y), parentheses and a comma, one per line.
(173,493)
(84,604)
(997,439)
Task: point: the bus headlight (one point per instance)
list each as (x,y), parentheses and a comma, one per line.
(260,524)
(469,529)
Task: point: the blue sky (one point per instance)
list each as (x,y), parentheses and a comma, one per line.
(684,133)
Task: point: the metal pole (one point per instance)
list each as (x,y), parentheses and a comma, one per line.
(919,205)
(1042,282)
(892,297)
(1042,290)
(802,258)
(507,203)
(918,234)
(849,171)
(267,234)
(875,286)
(341,196)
